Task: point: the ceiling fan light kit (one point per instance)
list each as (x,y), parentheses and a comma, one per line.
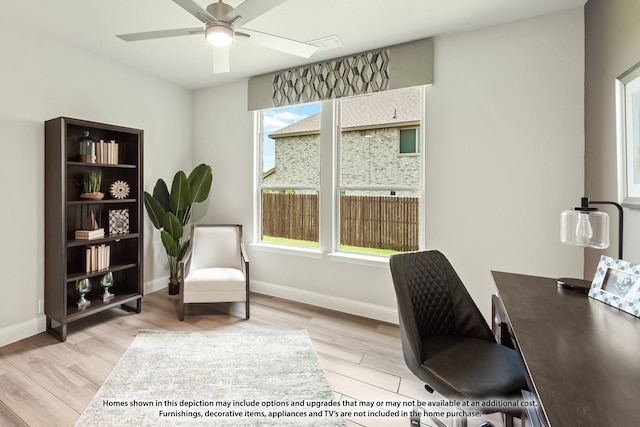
(220,30)
(219,34)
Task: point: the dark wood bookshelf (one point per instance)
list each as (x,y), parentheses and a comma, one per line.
(65,256)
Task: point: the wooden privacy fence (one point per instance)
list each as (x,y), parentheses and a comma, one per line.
(389,222)
(292,216)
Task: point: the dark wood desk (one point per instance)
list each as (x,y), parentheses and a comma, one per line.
(582,356)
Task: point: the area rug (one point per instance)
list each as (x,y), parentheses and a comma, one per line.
(215,378)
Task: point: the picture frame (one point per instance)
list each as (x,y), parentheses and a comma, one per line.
(617,283)
(628,136)
(118,221)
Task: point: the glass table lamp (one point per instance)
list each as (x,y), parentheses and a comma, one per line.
(587,227)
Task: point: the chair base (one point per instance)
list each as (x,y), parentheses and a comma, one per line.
(460,422)
(507,420)
(181,307)
(415,418)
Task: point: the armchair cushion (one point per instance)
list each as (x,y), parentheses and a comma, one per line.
(215,284)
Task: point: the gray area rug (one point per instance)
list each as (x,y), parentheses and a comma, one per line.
(214,378)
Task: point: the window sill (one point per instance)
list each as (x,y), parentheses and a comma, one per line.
(376,261)
(288,250)
(352,258)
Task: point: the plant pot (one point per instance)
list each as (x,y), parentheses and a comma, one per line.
(92,196)
(174,289)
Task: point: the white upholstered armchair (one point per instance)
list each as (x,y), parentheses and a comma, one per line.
(215,268)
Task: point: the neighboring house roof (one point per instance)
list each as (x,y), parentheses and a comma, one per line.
(306,126)
(268,172)
(378,110)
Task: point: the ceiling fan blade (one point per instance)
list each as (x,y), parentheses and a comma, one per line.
(250,10)
(220,55)
(270,41)
(191,7)
(160,34)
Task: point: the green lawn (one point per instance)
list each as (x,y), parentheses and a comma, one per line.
(309,244)
(283,241)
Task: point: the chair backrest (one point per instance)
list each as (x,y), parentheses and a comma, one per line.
(216,246)
(432,300)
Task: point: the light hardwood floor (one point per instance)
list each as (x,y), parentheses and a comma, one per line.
(44,382)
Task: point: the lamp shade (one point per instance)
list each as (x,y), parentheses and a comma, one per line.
(587,228)
(219,34)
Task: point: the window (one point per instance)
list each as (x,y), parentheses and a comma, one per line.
(409,141)
(290,175)
(377,191)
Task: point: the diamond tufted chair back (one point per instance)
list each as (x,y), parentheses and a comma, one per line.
(432,301)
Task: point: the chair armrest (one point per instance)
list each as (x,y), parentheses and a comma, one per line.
(245,258)
(185,265)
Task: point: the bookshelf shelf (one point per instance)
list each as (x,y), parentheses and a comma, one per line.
(72,277)
(107,238)
(100,202)
(68,259)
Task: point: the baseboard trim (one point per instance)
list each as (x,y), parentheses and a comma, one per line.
(37,325)
(156,284)
(22,330)
(345,305)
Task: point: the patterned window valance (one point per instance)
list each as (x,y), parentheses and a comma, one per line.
(365,73)
(395,67)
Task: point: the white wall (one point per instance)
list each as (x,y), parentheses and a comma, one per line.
(505,150)
(41,79)
(223,138)
(612,47)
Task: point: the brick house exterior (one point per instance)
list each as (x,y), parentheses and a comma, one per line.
(369,147)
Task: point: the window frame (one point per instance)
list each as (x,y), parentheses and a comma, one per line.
(392,189)
(330,189)
(259,187)
(417,142)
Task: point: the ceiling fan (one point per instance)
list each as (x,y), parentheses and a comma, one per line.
(222,25)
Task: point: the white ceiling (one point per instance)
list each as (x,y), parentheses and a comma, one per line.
(360,24)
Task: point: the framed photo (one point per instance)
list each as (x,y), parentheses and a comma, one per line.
(616,283)
(628,135)
(118,221)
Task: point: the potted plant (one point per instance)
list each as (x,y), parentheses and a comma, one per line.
(170,213)
(91,186)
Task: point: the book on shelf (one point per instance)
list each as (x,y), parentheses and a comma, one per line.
(97,257)
(107,152)
(89,234)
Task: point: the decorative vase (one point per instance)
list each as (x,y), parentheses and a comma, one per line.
(87,148)
(106,282)
(82,287)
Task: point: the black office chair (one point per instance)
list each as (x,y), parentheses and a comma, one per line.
(445,340)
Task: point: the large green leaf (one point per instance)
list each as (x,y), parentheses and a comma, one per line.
(183,249)
(180,198)
(173,226)
(169,242)
(154,210)
(200,182)
(161,193)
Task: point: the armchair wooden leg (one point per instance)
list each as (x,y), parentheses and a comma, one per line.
(181,310)
(246,309)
